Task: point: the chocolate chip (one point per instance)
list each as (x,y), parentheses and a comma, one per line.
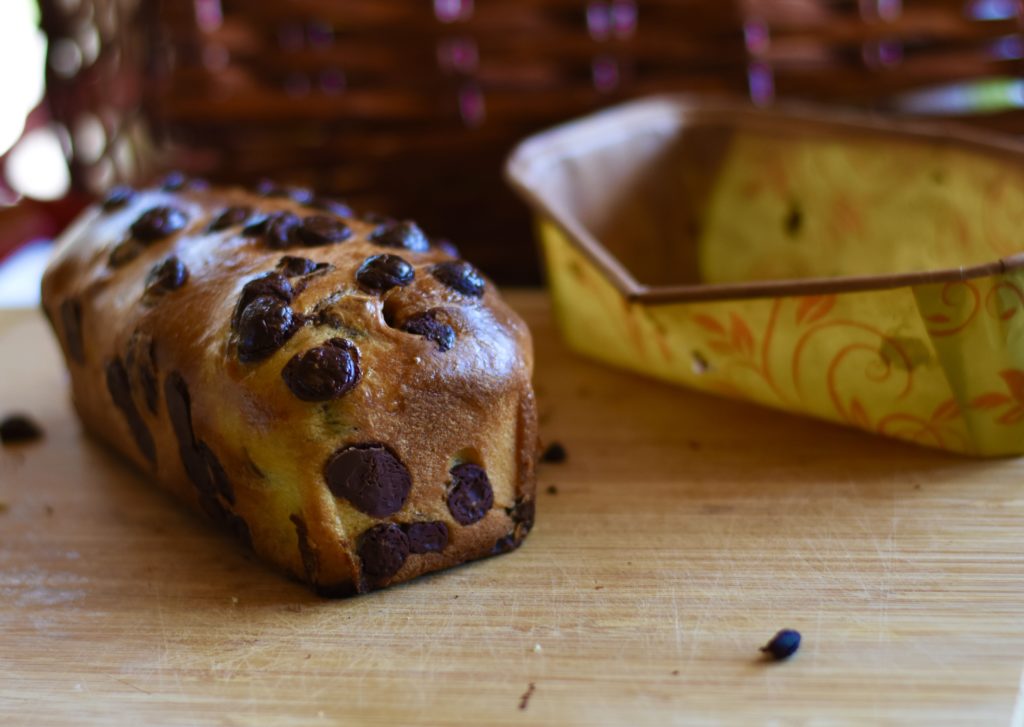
(504,544)
(427,325)
(383,550)
(18,428)
(274,285)
(295,267)
(173,182)
(428,537)
(554,454)
(783,645)
(371,477)
(218,477)
(310,559)
(331,205)
(140,361)
(230,217)
(71,321)
(471,495)
(157,223)
(406,235)
(325,372)
(264,326)
(460,276)
(322,230)
(447,247)
(280,229)
(120,391)
(300,195)
(166,276)
(117,198)
(268,188)
(383,272)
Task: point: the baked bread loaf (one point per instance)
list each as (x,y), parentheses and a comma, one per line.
(342,394)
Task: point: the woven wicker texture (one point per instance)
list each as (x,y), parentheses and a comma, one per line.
(409,107)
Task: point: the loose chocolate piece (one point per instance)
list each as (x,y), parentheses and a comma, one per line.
(295,267)
(331,205)
(173,182)
(554,454)
(371,477)
(230,217)
(264,326)
(783,645)
(460,276)
(166,276)
(322,230)
(280,230)
(140,361)
(121,392)
(117,198)
(157,223)
(383,272)
(427,537)
(383,550)
(71,322)
(406,235)
(274,285)
(325,372)
(427,325)
(18,428)
(471,495)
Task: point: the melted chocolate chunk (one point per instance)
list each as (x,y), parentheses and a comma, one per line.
(121,392)
(264,326)
(504,544)
(141,364)
(406,235)
(230,217)
(280,230)
(383,272)
(322,230)
(273,285)
(158,223)
(18,428)
(325,372)
(428,537)
(427,325)
(371,477)
(173,182)
(295,267)
(166,276)
(460,276)
(310,560)
(383,550)
(269,188)
(71,321)
(471,495)
(117,198)
(331,205)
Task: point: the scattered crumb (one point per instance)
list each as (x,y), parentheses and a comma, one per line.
(18,428)
(552,490)
(309,656)
(537,648)
(917,487)
(456,595)
(675,672)
(554,454)
(48,509)
(783,645)
(524,701)
(598,588)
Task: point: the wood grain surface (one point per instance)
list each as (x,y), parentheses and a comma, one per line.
(681,533)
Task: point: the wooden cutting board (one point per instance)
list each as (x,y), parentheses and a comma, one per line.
(681,533)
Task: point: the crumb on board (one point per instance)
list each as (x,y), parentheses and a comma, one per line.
(19,428)
(552,490)
(524,700)
(554,454)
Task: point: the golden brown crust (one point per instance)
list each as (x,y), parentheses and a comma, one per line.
(172,364)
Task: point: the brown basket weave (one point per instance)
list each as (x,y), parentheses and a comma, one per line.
(408,107)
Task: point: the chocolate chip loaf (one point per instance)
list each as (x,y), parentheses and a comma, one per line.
(346,396)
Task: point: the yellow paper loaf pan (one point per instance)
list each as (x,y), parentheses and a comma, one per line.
(864,271)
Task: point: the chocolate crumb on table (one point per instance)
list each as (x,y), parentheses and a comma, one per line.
(552,490)
(783,645)
(18,428)
(554,454)
(524,701)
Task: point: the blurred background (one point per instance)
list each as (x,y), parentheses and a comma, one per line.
(409,107)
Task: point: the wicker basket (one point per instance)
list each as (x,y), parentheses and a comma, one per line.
(409,107)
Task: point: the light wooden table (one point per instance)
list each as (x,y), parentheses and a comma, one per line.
(685,530)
